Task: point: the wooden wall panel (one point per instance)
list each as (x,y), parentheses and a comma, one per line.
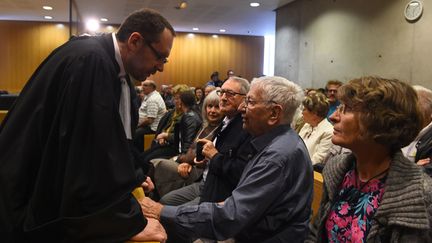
(194,58)
(24,45)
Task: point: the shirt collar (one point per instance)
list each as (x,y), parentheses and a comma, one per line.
(261,141)
(118,56)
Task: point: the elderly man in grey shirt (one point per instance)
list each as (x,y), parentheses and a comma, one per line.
(273,198)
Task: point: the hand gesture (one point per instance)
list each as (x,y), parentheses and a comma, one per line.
(184,169)
(209,149)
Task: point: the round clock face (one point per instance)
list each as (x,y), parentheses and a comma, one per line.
(413,10)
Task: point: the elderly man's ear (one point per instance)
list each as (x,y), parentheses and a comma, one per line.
(275,115)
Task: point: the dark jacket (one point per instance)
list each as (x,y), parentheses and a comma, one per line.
(226,167)
(185,131)
(65,163)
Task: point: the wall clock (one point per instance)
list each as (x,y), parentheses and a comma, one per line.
(413,10)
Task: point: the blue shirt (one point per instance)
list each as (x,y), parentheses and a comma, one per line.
(332,108)
(272,200)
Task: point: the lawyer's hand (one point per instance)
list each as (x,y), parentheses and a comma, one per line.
(148,185)
(152,232)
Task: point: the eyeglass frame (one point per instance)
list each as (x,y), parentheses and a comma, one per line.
(158,55)
(228,93)
(343,108)
(247,101)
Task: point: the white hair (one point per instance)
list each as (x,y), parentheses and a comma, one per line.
(424,100)
(281,91)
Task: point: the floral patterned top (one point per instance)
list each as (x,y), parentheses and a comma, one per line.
(350,217)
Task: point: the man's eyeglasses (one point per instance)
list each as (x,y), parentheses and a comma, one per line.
(158,56)
(228,93)
(248,101)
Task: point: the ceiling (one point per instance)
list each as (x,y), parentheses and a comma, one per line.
(235,16)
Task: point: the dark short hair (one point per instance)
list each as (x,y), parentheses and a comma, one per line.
(388,109)
(148,22)
(317,103)
(188,98)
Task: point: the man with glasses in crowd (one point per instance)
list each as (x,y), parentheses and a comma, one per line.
(331,93)
(67,162)
(226,156)
(272,202)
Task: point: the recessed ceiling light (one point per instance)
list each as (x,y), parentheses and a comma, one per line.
(222,30)
(254,5)
(48,17)
(195,28)
(104,19)
(215,36)
(92,25)
(47,7)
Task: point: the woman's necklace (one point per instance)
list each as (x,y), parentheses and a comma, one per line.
(363,184)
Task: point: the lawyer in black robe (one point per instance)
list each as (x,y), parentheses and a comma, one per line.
(66,167)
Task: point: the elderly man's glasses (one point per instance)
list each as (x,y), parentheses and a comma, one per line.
(228,93)
(158,55)
(248,101)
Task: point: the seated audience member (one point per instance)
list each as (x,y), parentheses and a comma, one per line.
(334,150)
(317,131)
(199,96)
(374,194)
(172,174)
(173,116)
(229,74)
(420,150)
(214,80)
(226,156)
(150,112)
(331,91)
(229,153)
(208,89)
(272,201)
(166,93)
(178,142)
(140,95)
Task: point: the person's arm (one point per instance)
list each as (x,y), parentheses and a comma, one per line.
(151,114)
(216,221)
(322,147)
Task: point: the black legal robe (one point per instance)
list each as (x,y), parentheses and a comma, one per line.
(66,167)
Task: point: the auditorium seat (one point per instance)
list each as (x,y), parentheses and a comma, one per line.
(317,193)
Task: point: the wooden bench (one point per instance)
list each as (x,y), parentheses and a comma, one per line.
(317,193)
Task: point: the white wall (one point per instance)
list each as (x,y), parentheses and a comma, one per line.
(318,40)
